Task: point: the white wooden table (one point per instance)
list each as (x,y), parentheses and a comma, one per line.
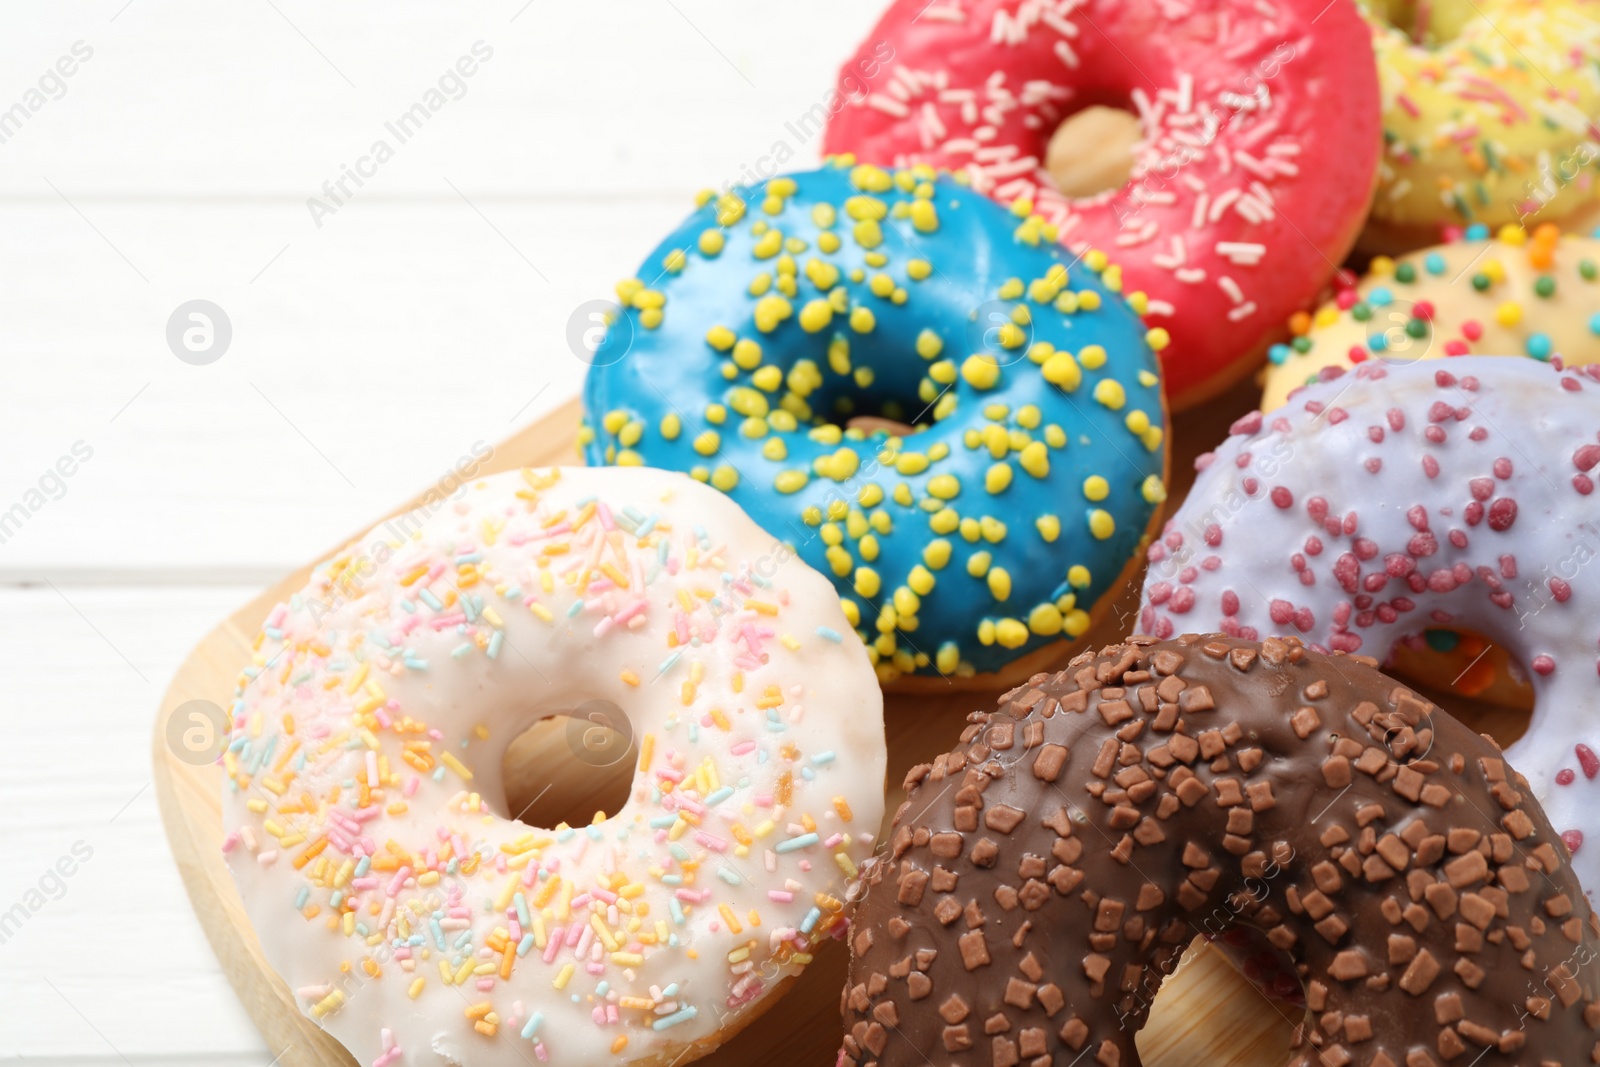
(428,311)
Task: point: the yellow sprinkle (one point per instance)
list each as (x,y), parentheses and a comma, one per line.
(978,564)
(449,760)
(563,977)
(1157,338)
(770,311)
(1110,393)
(725,478)
(1035,459)
(790,481)
(328,1004)
(997,478)
(816,316)
(1101,524)
(1045,620)
(1061,369)
(1096,487)
(1010,633)
(867,582)
(981,371)
(944,486)
(999,583)
(707,442)
(415,989)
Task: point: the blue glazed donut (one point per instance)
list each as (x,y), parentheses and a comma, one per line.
(1034,471)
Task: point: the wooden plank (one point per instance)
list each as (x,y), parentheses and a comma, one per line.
(576,100)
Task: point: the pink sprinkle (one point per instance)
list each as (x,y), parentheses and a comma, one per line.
(1573,839)
(782,896)
(743,748)
(1587,760)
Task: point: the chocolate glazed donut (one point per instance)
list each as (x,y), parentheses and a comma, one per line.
(1046,875)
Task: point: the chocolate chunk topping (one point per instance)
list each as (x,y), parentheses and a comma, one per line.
(1080,836)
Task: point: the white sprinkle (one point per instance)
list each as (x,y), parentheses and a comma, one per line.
(1243,253)
(1180,253)
(1220,205)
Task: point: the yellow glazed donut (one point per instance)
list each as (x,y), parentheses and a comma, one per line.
(1488,109)
(1538,296)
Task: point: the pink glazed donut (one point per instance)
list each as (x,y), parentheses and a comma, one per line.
(1260,142)
(1402,497)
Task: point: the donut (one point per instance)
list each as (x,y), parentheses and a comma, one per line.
(1045,875)
(1402,498)
(1510,294)
(1488,115)
(412,915)
(1250,182)
(767,339)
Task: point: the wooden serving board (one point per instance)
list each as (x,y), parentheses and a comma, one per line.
(1205,1016)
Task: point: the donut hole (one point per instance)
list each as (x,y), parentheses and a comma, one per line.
(1426,24)
(867,425)
(1092,151)
(569,768)
(1227,981)
(870,411)
(1478,681)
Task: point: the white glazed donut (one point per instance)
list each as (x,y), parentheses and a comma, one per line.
(367,827)
(1455,493)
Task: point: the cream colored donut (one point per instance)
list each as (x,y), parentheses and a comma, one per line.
(417,921)
(1513,294)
